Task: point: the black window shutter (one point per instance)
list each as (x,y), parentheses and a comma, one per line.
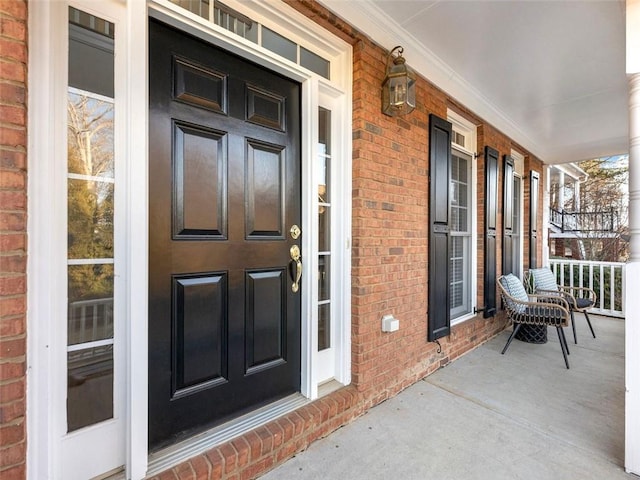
(533,220)
(507,216)
(439,175)
(490,229)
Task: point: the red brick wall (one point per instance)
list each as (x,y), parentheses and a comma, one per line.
(13,220)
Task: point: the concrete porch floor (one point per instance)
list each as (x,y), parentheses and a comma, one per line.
(521,415)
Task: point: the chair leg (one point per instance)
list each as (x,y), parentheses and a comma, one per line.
(573,325)
(563,346)
(516,327)
(566,345)
(564,339)
(586,315)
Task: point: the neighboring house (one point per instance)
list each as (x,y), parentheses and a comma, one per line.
(214,233)
(564,204)
(582,232)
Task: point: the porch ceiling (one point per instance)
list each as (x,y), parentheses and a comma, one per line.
(550,74)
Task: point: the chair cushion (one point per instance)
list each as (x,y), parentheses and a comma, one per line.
(579,304)
(544,279)
(514,287)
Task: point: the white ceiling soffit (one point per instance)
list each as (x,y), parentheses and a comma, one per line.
(549,74)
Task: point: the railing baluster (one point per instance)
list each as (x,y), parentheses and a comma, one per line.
(83,324)
(581,274)
(571,276)
(94,329)
(601,287)
(612,283)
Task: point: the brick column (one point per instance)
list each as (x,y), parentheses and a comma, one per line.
(13,221)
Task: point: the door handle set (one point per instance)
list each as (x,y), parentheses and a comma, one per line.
(295,267)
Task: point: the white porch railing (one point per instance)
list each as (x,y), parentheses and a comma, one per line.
(605,278)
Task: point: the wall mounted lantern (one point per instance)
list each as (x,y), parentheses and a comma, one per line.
(399,86)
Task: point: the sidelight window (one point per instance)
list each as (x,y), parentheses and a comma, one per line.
(324,229)
(90,220)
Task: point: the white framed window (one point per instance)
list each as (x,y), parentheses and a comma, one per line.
(77,194)
(462,211)
(333,274)
(518,212)
(117,433)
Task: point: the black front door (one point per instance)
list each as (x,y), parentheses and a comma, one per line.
(224,192)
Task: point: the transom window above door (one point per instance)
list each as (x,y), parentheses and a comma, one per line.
(240,24)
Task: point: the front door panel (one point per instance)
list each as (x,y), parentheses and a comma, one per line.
(224,323)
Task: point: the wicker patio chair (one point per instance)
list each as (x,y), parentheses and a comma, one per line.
(580,299)
(523,309)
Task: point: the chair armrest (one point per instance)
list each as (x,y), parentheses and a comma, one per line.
(550,293)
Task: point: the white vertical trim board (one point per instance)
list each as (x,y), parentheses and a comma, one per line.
(40,299)
(136,248)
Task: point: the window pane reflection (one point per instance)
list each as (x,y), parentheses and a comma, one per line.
(90,227)
(324,155)
(324,326)
(90,309)
(90,134)
(90,386)
(314,62)
(199,7)
(278,44)
(324,233)
(324,277)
